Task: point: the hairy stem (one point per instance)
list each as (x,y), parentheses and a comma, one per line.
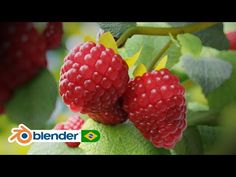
(164,31)
(160,54)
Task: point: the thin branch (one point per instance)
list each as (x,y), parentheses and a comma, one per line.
(164,31)
(160,54)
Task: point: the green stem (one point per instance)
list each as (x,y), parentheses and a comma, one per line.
(164,31)
(204,118)
(160,54)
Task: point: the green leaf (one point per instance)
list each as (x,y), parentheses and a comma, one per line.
(210,136)
(116,28)
(108,41)
(190,44)
(199,114)
(140,70)
(162,63)
(33,103)
(225,94)
(190,144)
(214,37)
(209,72)
(151,46)
(210,118)
(174,55)
(132,60)
(119,139)
(195,106)
(54,149)
(227,143)
(209,52)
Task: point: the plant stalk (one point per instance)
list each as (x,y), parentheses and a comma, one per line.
(164,31)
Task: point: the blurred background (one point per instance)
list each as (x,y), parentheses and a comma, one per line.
(74,33)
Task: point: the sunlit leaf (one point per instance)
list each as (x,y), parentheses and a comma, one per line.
(88,38)
(162,63)
(131,60)
(108,41)
(190,44)
(140,70)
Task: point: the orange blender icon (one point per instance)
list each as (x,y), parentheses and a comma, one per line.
(22,135)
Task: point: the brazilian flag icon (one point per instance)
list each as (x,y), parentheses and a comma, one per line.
(90,135)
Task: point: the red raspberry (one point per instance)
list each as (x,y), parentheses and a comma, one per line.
(93,78)
(231,36)
(73,123)
(22,55)
(53,34)
(59,126)
(156,105)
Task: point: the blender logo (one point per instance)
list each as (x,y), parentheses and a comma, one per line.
(24,136)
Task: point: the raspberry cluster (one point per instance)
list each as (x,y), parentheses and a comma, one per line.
(94,80)
(22,55)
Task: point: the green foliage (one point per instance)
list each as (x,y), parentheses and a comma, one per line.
(226,143)
(212,37)
(151,47)
(210,136)
(33,103)
(195,106)
(225,94)
(116,28)
(190,144)
(173,54)
(190,44)
(209,72)
(54,149)
(119,139)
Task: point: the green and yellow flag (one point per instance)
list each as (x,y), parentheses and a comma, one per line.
(90,136)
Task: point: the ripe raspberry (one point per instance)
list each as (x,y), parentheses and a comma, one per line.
(93,78)
(53,34)
(156,105)
(22,55)
(231,36)
(73,123)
